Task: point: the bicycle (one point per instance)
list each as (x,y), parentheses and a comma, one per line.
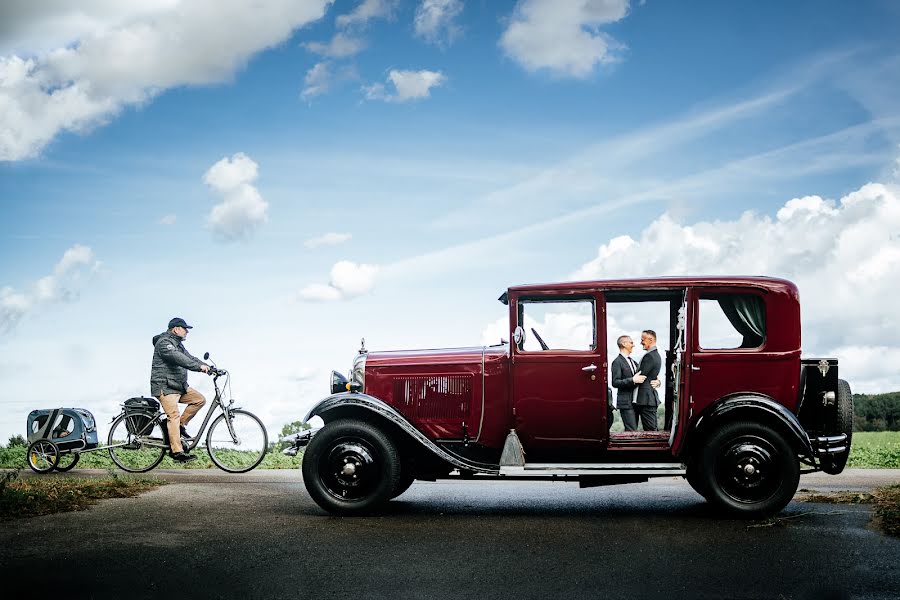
(236,441)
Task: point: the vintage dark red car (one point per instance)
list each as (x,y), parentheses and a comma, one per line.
(742,415)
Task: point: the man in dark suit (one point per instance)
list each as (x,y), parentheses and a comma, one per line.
(647,398)
(625,378)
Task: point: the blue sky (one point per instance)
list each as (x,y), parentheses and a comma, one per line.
(173,158)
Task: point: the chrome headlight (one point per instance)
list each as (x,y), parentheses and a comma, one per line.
(358,373)
(338,383)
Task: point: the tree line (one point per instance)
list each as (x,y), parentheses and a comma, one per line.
(876,412)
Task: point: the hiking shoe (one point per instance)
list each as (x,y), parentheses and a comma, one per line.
(182,457)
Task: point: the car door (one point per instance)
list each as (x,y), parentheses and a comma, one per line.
(559,389)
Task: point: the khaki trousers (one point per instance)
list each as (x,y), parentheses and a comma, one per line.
(194,401)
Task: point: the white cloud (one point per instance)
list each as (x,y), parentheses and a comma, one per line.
(63,285)
(408,85)
(340,46)
(320,292)
(322,77)
(242,209)
(168,220)
(348,279)
(844,257)
(329,239)
(366,10)
(434,20)
(563,37)
(77,66)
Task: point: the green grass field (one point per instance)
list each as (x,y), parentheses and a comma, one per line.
(871,450)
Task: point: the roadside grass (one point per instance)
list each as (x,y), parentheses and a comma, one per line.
(13,457)
(875,450)
(886,501)
(34,496)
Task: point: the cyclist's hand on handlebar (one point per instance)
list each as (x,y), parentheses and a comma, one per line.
(204,368)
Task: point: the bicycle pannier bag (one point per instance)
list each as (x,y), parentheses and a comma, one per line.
(139,413)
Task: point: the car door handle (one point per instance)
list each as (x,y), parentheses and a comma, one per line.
(693,368)
(589,368)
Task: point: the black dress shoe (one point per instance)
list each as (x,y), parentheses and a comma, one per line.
(185,434)
(182,457)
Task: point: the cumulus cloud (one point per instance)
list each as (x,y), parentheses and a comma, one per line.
(74,66)
(329,239)
(365,11)
(843,255)
(62,285)
(407,86)
(435,21)
(563,37)
(242,209)
(348,279)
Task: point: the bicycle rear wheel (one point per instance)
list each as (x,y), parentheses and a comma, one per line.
(139,453)
(242,451)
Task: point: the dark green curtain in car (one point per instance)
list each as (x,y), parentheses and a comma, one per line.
(747,315)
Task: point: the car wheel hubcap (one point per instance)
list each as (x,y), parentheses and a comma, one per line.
(747,470)
(349,471)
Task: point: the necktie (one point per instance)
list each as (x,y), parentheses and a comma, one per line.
(634,367)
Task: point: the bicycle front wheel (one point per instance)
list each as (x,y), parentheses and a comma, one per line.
(239,448)
(137,453)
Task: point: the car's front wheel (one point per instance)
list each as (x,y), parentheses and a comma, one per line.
(749,470)
(351,467)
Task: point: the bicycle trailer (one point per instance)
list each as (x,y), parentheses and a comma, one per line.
(69,428)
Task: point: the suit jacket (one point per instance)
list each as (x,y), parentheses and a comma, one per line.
(650,365)
(623,382)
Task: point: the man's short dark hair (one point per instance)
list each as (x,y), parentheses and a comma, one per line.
(619,341)
(650,332)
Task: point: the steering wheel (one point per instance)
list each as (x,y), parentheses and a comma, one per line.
(540,340)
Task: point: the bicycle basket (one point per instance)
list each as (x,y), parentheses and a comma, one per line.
(139,413)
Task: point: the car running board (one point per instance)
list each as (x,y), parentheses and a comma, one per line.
(599,469)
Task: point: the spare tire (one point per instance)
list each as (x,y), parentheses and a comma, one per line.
(843,423)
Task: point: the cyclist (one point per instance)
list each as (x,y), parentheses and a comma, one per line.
(168,383)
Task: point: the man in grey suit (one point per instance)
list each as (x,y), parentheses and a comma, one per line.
(625,378)
(647,398)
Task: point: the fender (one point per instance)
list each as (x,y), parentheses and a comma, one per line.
(757,404)
(390,414)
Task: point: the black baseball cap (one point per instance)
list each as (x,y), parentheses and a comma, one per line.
(179,322)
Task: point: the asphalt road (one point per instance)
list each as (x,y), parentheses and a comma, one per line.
(258,535)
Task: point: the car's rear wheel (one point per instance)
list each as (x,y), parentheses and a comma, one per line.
(351,467)
(749,470)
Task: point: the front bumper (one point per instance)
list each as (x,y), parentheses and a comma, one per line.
(298,440)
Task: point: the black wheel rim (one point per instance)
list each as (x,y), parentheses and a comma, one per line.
(349,469)
(748,470)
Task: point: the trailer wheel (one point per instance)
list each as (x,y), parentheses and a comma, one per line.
(351,467)
(67,461)
(43,456)
(749,469)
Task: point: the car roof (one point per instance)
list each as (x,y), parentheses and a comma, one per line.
(773,284)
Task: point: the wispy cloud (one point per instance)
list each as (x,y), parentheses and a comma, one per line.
(329,239)
(62,285)
(407,86)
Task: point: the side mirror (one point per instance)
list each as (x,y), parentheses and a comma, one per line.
(519,336)
(206,356)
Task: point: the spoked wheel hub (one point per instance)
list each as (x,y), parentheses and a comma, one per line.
(350,470)
(747,470)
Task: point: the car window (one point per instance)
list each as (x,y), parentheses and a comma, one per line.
(729,321)
(562,325)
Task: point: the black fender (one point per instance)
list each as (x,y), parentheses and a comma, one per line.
(755,406)
(375,410)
